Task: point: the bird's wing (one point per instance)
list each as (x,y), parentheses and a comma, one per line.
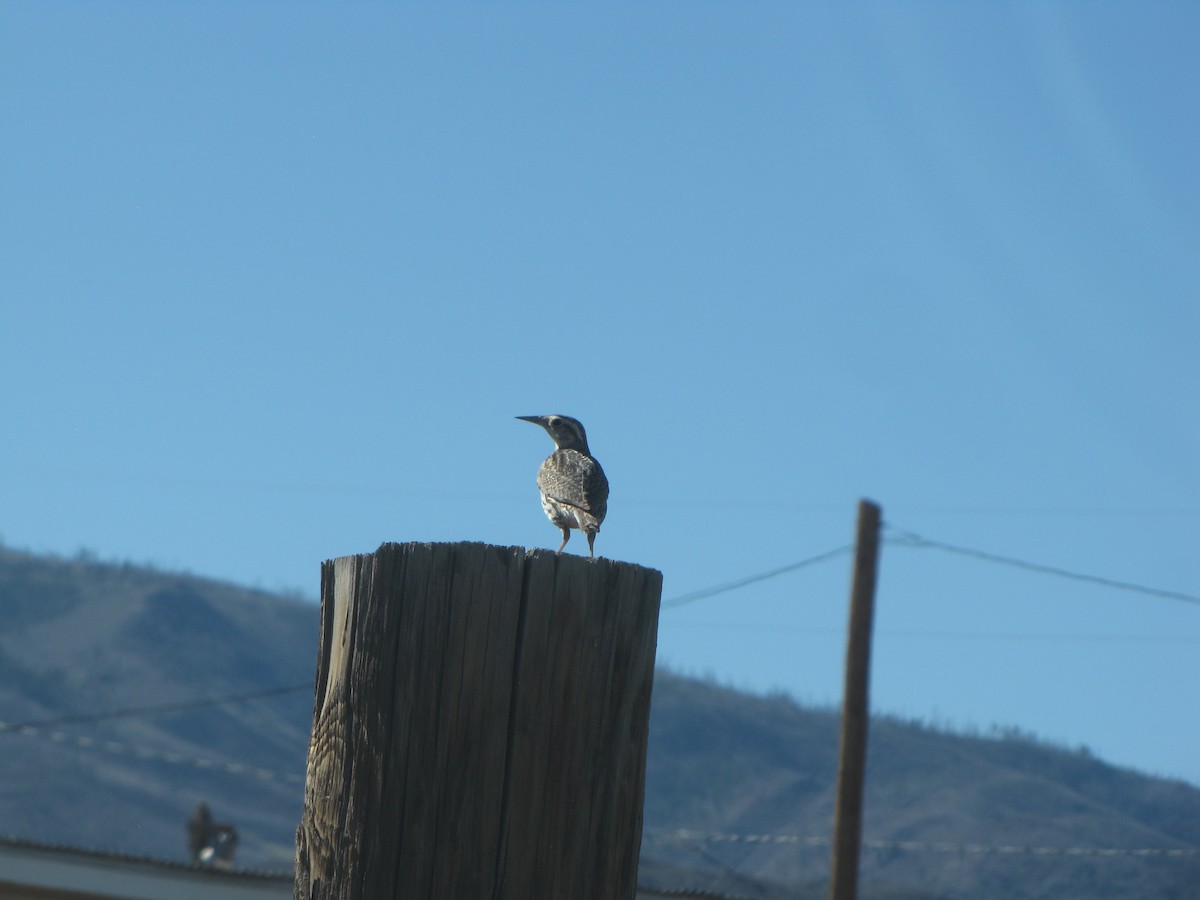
(574,478)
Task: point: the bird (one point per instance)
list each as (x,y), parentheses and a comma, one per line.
(574,489)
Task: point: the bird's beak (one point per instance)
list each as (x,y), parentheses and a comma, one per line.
(536,420)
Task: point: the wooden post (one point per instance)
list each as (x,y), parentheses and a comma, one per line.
(480,726)
(852,759)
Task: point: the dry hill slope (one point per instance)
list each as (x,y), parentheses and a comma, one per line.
(82,638)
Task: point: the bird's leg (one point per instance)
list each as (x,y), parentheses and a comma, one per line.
(591,540)
(566,537)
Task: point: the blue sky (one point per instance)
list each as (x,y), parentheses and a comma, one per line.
(277,277)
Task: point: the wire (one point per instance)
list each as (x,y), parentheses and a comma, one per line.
(145,753)
(903,538)
(945,634)
(684,835)
(161,708)
(705,593)
(681,835)
(709,858)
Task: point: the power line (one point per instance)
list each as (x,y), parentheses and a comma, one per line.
(681,835)
(685,835)
(903,538)
(1078,511)
(705,593)
(161,708)
(145,753)
(949,634)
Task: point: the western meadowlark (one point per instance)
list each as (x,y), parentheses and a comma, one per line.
(574,489)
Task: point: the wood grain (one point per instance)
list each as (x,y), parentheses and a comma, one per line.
(479,727)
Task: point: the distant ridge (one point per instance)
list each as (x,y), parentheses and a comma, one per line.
(739,787)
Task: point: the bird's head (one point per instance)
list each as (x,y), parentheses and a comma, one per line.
(568,433)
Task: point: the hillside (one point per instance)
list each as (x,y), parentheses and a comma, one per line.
(82,638)
(724,764)
(947,815)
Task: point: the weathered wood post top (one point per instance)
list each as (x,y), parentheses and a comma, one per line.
(480,726)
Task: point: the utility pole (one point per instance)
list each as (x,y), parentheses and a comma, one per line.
(480,726)
(852,758)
